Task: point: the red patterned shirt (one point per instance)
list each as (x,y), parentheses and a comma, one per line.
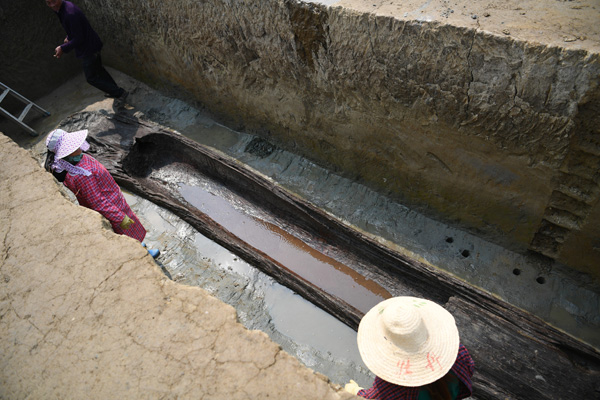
(100,192)
(463,368)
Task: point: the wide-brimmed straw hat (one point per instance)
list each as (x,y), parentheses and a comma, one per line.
(408,341)
(63,143)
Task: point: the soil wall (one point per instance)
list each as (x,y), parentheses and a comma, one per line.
(29,33)
(496,134)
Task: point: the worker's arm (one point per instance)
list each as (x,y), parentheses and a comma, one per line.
(74,39)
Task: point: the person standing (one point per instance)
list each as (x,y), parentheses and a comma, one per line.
(91,182)
(412,347)
(82,38)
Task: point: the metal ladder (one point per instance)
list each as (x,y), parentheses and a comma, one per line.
(29,105)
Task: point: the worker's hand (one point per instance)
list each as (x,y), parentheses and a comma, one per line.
(58,52)
(126,223)
(66,40)
(352,387)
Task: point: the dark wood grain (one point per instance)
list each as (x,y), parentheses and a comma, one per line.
(517,355)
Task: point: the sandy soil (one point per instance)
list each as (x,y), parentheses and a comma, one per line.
(572,24)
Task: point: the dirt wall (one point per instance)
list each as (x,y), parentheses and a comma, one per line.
(474,126)
(88,314)
(29,33)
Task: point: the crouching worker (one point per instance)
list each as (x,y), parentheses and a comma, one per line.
(91,183)
(412,347)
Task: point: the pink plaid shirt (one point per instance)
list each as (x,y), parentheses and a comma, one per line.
(100,192)
(463,368)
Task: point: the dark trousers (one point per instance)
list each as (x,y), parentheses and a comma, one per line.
(97,76)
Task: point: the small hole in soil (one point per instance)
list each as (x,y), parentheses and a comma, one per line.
(465,253)
(541,280)
(449,240)
(517,271)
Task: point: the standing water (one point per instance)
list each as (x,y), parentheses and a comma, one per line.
(289,251)
(317,339)
(543,290)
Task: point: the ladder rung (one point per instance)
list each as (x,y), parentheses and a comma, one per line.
(30,104)
(20,123)
(19,96)
(3,95)
(25,111)
(23,99)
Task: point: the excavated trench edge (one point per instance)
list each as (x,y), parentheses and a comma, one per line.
(483,316)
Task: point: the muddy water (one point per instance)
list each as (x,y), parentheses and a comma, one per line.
(558,298)
(291,252)
(548,290)
(317,339)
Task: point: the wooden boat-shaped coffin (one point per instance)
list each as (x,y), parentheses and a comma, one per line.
(517,355)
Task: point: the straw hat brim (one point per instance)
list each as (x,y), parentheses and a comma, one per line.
(431,361)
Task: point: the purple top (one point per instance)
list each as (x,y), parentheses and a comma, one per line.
(80,33)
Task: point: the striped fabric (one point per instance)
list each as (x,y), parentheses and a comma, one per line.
(100,192)
(463,368)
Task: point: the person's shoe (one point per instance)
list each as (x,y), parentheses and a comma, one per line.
(115,96)
(120,101)
(154,252)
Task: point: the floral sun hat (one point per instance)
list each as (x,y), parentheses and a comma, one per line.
(63,143)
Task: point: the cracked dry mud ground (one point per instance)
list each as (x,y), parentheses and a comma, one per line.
(85,313)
